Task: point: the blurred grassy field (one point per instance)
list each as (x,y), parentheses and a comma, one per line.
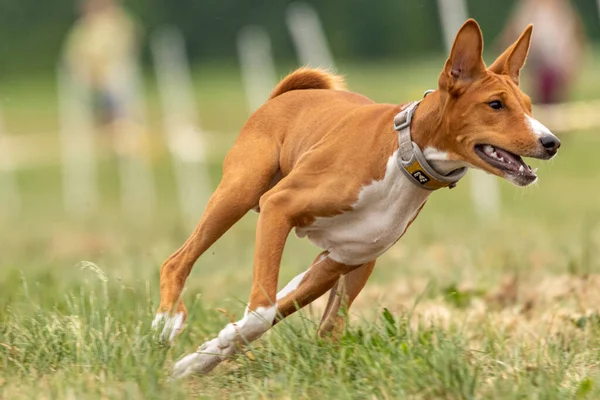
(500,308)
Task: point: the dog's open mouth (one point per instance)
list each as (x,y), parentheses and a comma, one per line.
(505,161)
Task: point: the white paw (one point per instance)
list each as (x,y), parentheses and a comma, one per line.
(208,356)
(171,325)
(226,344)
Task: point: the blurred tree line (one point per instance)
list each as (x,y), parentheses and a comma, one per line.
(32,32)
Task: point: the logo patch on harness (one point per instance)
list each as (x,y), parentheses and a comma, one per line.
(420,176)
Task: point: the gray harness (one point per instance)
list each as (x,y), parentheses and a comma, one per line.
(411,159)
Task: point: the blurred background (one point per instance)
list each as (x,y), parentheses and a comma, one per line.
(116,116)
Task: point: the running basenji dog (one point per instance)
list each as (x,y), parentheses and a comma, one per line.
(351,175)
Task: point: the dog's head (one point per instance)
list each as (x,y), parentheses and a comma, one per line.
(486,118)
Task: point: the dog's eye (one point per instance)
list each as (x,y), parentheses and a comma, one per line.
(496,104)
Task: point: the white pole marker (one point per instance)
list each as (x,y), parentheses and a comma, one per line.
(138,194)
(182,134)
(453,13)
(10,197)
(308,35)
(258,67)
(485,193)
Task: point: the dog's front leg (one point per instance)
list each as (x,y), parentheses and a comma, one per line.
(299,292)
(274,225)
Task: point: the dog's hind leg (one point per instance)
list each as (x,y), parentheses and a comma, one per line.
(300,291)
(341,297)
(246,176)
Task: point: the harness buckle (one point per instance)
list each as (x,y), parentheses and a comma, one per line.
(403,119)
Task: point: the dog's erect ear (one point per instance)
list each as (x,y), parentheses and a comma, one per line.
(465,63)
(513,59)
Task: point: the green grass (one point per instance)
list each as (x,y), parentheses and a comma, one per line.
(90,345)
(461,307)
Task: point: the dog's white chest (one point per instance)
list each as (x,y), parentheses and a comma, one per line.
(379,217)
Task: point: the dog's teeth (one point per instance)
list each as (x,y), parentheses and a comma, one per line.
(534,170)
(488,149)
(521,168)
(501,159)
(494,154)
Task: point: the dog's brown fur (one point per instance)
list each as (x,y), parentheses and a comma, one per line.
(310,149)
(309,78)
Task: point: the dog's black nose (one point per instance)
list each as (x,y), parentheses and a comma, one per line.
(550,143)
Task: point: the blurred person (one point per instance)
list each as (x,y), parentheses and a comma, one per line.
(101,52)
(557,46)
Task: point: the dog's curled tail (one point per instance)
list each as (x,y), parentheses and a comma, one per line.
(309,78)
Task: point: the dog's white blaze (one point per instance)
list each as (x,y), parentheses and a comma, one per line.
(297,280)
(379,217)
(255,323)
(440,160)
(187,365)
(537,127)
(211,353)
(172,325)
(158,319)
(291,286)
(431,154)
